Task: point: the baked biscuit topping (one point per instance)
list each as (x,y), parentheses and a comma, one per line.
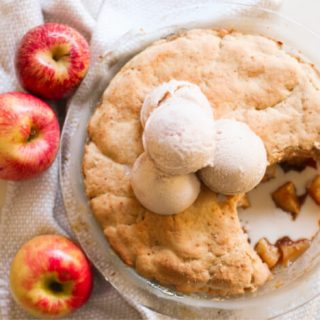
(245,77)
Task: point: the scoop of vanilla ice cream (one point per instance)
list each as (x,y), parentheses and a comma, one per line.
(159,192)
(182,89)
(240,159)
(180,137)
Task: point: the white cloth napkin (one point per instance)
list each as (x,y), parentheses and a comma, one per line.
(35,207)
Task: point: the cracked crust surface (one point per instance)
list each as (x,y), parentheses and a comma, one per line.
(245,77)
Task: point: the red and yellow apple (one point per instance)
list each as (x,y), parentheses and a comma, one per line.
(51,60)
(50,276)
(29,136)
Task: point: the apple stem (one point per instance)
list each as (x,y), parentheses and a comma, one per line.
(55,286)
(58,57)
(33,133)
(60,53)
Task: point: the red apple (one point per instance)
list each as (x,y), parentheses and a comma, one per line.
(50,276)
(29,136)
(51,60)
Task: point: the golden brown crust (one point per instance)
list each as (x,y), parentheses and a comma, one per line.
(245,77)
(104,175)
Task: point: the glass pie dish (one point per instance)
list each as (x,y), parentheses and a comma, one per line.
(290,287)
